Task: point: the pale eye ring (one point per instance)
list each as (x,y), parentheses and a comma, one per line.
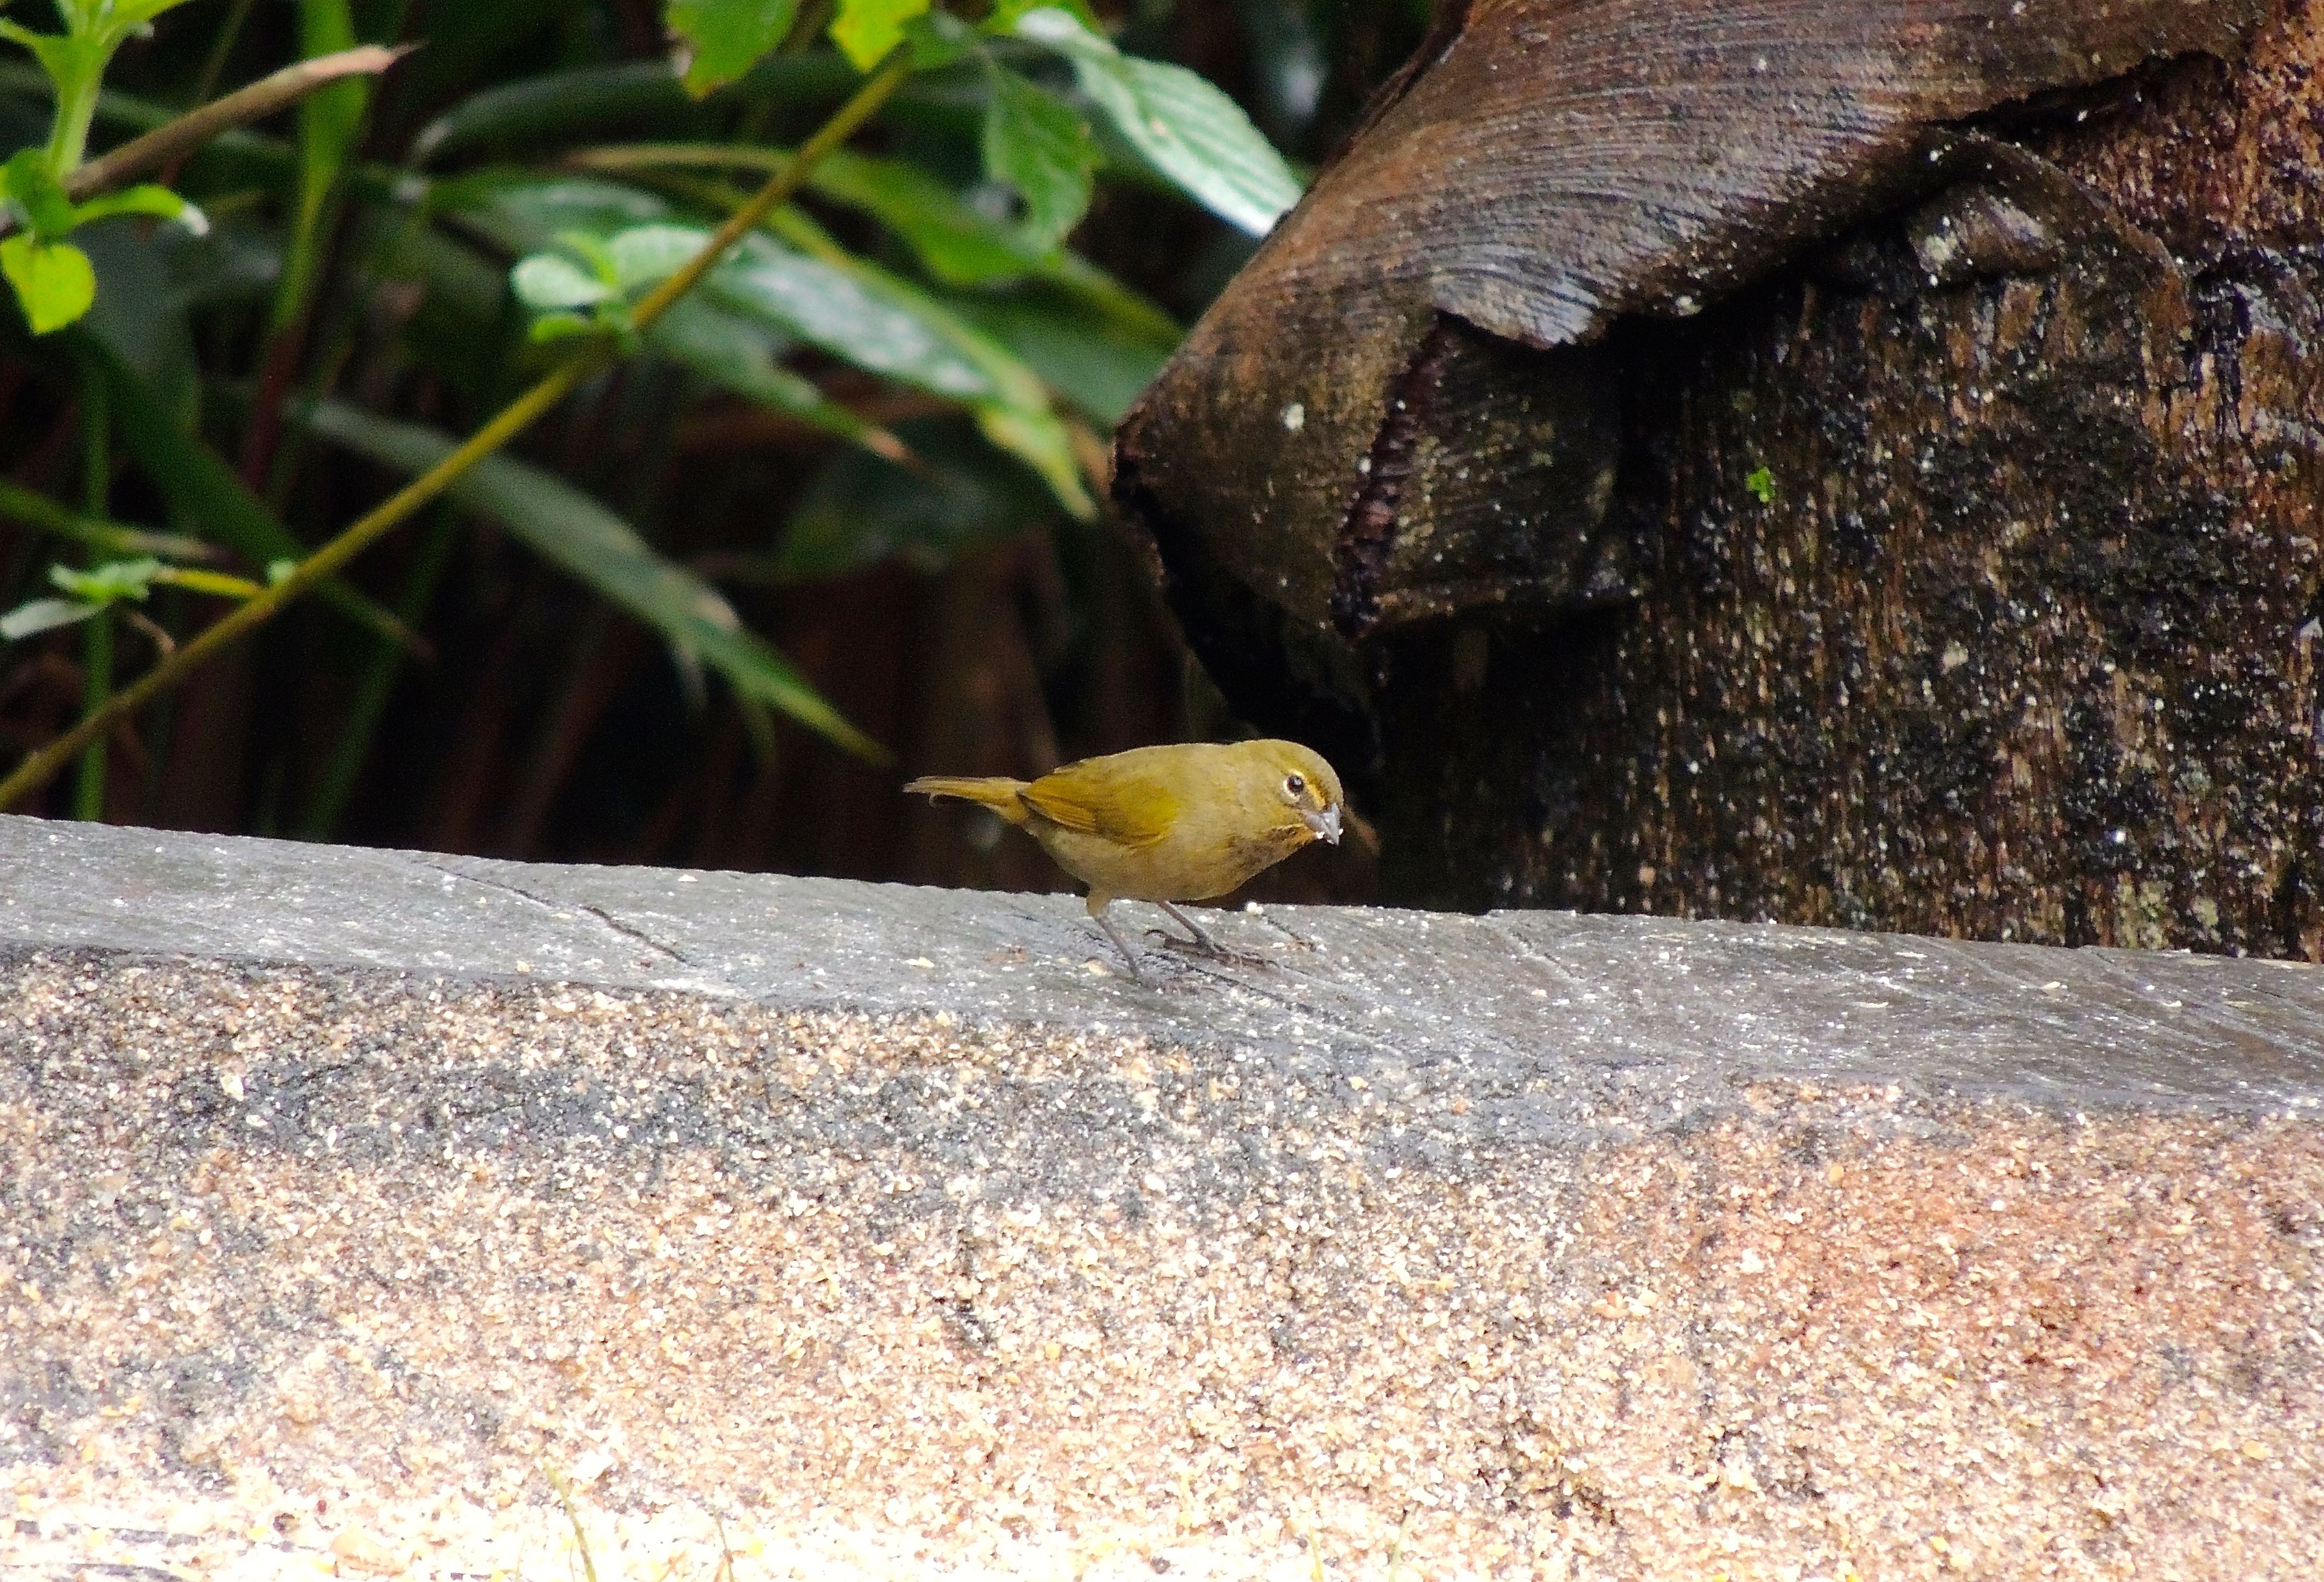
(1294,783)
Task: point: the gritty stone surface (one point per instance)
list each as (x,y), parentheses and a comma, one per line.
(309,1268)
(1564,1016)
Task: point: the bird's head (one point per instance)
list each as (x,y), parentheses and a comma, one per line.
(1305,784)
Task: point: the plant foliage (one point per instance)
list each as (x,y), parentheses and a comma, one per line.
(285,311)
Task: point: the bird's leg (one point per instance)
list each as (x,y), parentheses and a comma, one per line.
(1202,935)
(1201,940)
(1097,914)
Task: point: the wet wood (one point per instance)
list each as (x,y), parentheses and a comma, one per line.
(2011,318)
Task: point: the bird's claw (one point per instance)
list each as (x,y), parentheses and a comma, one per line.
(1209,947)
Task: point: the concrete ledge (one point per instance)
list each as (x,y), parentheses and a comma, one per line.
(343,1192)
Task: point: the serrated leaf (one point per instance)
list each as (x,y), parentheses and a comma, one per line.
(602,549)
(866,30)
(54,281)
(44,615)
(719,39)
(1041,145)
(1187,128)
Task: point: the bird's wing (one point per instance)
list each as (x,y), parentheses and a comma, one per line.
(1093,797)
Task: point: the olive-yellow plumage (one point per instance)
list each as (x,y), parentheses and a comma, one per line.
(1184,822)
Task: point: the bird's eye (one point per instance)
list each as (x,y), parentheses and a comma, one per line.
(1294,783)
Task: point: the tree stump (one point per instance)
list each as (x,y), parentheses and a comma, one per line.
(1848,463)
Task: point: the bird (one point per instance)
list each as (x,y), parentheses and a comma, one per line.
(1182,822)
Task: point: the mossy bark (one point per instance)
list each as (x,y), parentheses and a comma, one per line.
(2021,641)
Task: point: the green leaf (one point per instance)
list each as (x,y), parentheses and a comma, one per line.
(44,615)
(1188,129)
(852,313)
(861,510)
(547,283)
(590,541)
(157,202)
(107,583)
(330,119)
(806,286)
(866,30)
(1001,21)
(37,194)
(719,39)
(646,255)
(137,13)
(937,39)
(739,352)
(560,108)
(556,327)
(743,356)
(1041,145)
(68,60)
(18,504)
(530,216)
(954,241)
(593,251)
(1008,399)
(55,283)
(550,105)
(146,282)
(1094,363)
(1037,437)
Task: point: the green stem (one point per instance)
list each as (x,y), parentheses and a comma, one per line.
(36,510)
(75,113)
(37,770)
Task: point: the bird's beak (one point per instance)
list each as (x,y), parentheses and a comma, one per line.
(1325,824)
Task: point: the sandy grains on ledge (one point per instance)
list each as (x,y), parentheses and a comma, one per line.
(287,1257)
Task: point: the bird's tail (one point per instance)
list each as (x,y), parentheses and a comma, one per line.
(996,791)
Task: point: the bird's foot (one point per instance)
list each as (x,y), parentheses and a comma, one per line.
(1204,945)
